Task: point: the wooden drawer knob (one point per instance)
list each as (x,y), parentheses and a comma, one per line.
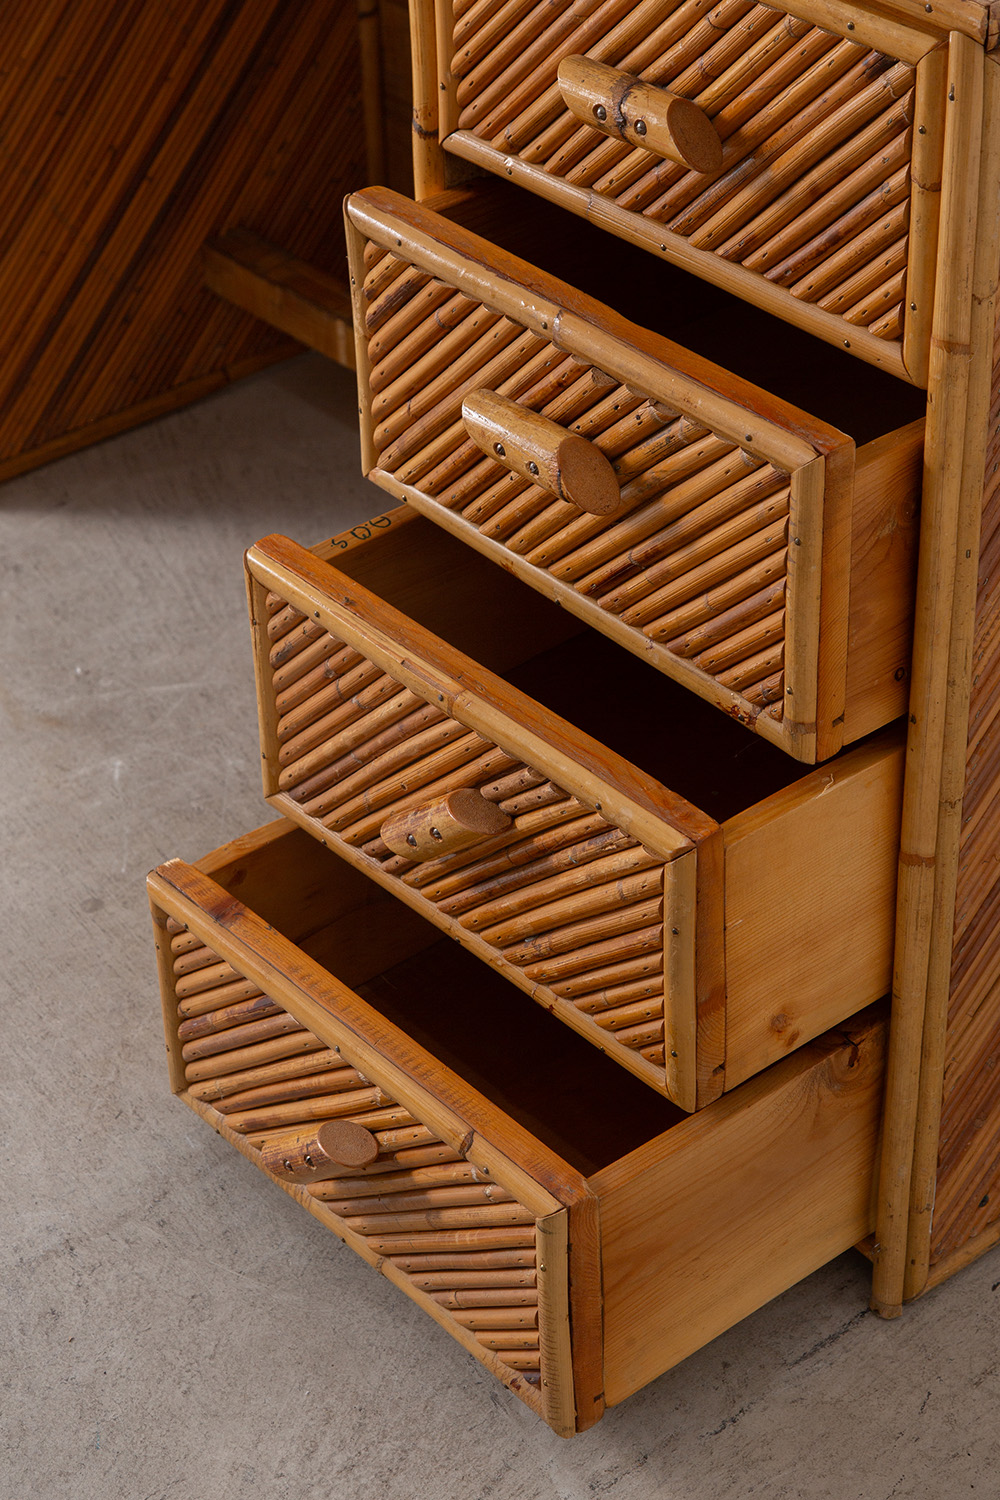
(620,105)
(443,826)
(542,451)
(315,1155)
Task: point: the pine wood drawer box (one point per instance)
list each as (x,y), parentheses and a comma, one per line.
(759,555)
(793,155)
(500,1176)
(691,926)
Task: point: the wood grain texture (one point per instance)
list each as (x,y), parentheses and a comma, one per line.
(788,967)
(709,1221)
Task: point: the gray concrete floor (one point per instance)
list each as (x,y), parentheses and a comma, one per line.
(175,1327)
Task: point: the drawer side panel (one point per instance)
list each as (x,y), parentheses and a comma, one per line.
(709,1222)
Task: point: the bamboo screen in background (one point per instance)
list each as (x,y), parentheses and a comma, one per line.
(571,901)
(696,561)
(968,1190)
(129,134)
(454,1231)
(814,189)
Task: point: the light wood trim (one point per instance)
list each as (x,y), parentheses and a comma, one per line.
(984,311)
(804,574)
(658,818)
(680,1003)
(585,609)
(710,968)
(882,577)
(835,522)
(362,362)
(930,733)
(359,1245)
(971,17)
(312,307)
(803,933)
(550,308)
(340,1018)
(707,1222)
(428,158)
(555,1341)
(710,267)
(266,707)
(927,134)
(165,972)
(908,41)
(447,83)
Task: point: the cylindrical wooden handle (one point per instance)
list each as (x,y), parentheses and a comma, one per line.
(443,826)
(316,1155)
(620,105)
(533,446)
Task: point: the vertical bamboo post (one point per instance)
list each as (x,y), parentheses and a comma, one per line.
(945,456)
(165,971)
(362,362)
(984,314)
(372,101)
(428,158)
(267,712)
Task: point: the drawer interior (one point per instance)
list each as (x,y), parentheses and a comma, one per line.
(855,397)
(543,1075)
(681,741)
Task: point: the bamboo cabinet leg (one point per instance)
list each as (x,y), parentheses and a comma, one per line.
(984,313)
(936,744)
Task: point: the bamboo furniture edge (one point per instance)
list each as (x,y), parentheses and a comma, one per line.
(953,478)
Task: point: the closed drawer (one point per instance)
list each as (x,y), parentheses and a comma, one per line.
(807,178)
(573,1231)
(752,552)
(670,887)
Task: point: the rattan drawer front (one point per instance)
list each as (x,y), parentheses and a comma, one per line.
(823,206)
(755,555)
(604,895)
(502,1187)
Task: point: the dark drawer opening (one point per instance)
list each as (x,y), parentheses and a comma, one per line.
(492,1035)
(852,395)
(678,739)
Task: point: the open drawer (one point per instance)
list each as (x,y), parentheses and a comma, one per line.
(791,153)
(761,556)
(671,887)
(572,1230)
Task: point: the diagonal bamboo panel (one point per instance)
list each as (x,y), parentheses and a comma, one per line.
(130,135)
(967,1202)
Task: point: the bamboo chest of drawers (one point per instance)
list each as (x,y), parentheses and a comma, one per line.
(648,698)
